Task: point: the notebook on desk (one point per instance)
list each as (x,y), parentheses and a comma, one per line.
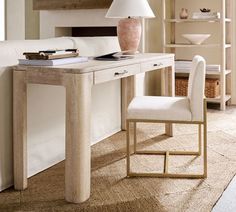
(114,56)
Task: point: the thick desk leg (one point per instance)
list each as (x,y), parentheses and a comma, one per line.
(168,89)
(127,94)
(20,129)
(78,153)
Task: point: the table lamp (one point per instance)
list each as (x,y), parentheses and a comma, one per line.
(129,27)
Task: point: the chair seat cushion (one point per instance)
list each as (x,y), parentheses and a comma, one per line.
(160,108)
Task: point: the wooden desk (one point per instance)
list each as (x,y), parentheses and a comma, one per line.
(78,80)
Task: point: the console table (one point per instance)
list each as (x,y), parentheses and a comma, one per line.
(78,80)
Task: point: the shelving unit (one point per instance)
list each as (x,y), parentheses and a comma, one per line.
(189,20)
(216,50)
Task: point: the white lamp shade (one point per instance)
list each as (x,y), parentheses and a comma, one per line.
(130,8)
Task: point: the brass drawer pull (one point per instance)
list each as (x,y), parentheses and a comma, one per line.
(121,73)
(159,64)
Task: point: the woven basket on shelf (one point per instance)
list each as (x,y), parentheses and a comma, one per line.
(212,87)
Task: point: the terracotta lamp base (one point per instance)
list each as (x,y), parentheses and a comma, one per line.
(129,34)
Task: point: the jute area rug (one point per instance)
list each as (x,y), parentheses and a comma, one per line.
(112,191)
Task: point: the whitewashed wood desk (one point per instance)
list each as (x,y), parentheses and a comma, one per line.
(78,80)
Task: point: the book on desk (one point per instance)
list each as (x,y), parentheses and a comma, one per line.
(54,62)
(52,57)
(68,56)
(51,54)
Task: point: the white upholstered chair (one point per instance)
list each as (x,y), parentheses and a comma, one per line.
(180,110)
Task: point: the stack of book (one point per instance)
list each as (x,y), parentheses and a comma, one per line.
(206,15)
(184,66)
(52,57)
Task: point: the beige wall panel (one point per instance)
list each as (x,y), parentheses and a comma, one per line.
(21,21)
(70,4)
(15,20)
(31,21)
(154,44)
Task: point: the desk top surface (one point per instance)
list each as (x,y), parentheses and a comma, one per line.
(95,65)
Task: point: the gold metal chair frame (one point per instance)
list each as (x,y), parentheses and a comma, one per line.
(166,173)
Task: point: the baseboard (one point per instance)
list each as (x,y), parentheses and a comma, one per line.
(40,169)
(4,187)
(116,130)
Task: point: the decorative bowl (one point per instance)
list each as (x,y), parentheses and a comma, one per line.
(196,39)
(205,10)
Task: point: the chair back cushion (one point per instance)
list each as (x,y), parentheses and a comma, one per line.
(196,87)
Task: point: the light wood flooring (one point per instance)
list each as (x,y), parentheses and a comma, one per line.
(227,202)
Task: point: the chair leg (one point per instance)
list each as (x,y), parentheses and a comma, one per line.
(135,137)
(166,154)
(199,139)
(205,138)
(128,147)
(166,163)
(205,150)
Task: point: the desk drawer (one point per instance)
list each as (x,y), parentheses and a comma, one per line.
(116,73)
(155,64)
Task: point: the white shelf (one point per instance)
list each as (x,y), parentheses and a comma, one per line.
(190,20)
(218,99)
(192,45)
(183,45)
(226,72)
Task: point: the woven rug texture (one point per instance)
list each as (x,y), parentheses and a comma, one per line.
(112,191)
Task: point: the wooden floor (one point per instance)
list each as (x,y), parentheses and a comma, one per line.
(227,203)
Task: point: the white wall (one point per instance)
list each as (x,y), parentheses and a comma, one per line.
(15,16)
(21,21)
(2,20)
(49,20)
